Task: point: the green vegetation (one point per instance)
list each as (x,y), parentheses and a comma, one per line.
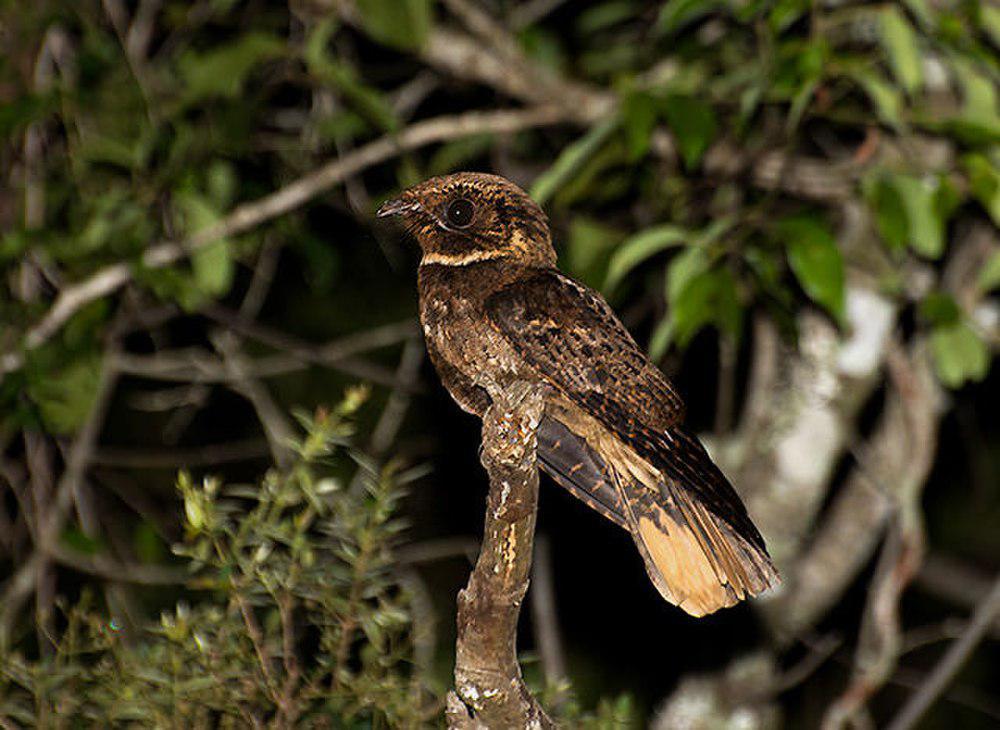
(770,192)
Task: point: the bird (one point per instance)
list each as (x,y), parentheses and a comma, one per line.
(495,309)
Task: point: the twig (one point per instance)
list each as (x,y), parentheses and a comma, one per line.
(881,642)
(21,584)
(443,548)
(113,570)
(279,432)
(953,660)
(208,455)
(489,690)
(955,581)
(531,12)
(494,58)
(545,617)
(332,355)
(260,283)
(395,409)
(196,366)
(249,215)
(141,31)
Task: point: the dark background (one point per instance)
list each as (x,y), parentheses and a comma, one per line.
(222,103)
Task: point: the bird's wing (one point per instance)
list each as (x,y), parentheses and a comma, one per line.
(573,340)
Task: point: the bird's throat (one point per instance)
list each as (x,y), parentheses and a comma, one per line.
(464,258)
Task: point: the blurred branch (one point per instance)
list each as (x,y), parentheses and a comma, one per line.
(329,355)
(895,460)
(427,551)
(391,420)
(489,690)
(955,581)
(530,12)
(195,365)
(792,435)
(117,571)
(545,616)
(491,56)
(208,455)
(249,215)
(915,400)
(278,430)
(887,463)
(959,652)
(20,585)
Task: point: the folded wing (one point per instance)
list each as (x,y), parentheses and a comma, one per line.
(614,437)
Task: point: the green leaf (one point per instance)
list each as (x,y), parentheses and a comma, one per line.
(589,248)
(959,354)
(890,213)
(684,267)
(785,12)
(924,213)
(66,395)
(570,160)
(979,94)
(913,210)
(900,43)
(675,14)
(22,110)
(693,123)
(989,276)
(816,262)
(213,268)
(544,47)
(884,97)
(707,298)
(80,542)
(367,100)
(605,15)
(403,24)
(984,182)
(223,70)
(979,121)
(940,308)
(638,121)
(640,247)
(920,10)
(213,265)
(989,20)
(697,295)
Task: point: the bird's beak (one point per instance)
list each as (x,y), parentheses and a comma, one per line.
(397,206)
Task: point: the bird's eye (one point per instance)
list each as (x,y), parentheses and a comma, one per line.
(460,212)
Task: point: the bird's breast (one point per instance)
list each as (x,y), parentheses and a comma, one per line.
(456,326)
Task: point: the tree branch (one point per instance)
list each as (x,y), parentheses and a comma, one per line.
(958,653)
(490,690)
(249,215)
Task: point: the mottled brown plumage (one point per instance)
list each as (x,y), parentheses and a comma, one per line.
(496,310)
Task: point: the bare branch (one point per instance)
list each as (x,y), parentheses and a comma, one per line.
(20,586)
(489,690)
(881,643)
(956,656)
(545,617)
(276,427)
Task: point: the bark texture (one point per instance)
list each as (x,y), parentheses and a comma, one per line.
(489,690)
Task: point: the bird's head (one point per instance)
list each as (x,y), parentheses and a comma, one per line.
(468,217)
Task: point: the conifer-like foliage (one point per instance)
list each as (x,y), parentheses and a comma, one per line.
(294,616)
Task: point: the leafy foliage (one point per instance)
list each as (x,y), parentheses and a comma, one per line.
(296,616)
(752,159)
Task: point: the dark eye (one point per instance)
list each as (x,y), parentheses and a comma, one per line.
(459,212)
